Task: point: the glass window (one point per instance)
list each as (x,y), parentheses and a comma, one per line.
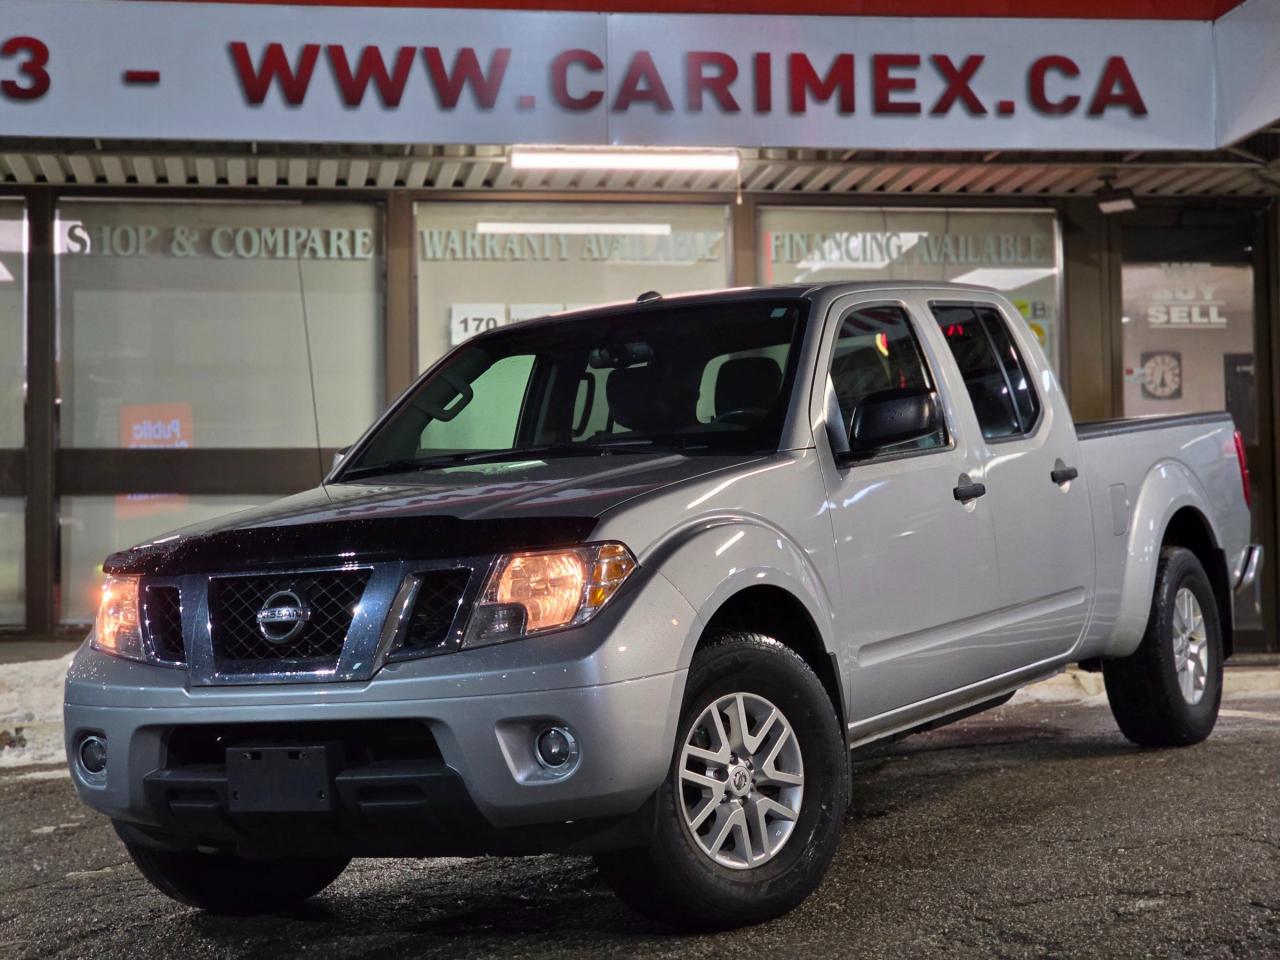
(1189,327)
(876,353)
(1014,251)
(184,324)
(1015,370)
(984,377)
(484,265)
(12,566)
(13,285)
(699,378)
(490,418)
(92,527)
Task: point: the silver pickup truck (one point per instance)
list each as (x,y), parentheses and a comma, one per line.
(634,582)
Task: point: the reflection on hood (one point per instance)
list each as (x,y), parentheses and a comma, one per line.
(469,510)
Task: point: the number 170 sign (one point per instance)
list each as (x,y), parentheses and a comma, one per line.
(468,319)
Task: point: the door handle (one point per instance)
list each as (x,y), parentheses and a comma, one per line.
(1061,475)
(967,490)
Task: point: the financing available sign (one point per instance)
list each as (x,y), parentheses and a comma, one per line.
(208,71)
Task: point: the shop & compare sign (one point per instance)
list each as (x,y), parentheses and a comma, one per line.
(198,71)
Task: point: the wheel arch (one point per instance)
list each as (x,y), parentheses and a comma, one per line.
(1169,511)
(1190,528)
(776,612)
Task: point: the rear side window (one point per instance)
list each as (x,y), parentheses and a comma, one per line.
(996,377)
(876,351)
(1024,395)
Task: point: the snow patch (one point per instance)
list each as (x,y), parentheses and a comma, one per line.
(31,711)
(1070,686)
(61,773)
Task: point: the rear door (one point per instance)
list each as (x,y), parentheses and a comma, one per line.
(917,565)
(1035,488)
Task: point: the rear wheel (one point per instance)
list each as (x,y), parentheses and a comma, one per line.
(1167,693)
(749,816)
(226,884)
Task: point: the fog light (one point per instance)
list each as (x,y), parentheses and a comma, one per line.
(93,755)
(556,748)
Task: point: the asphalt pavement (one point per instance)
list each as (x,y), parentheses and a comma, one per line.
(1031,831)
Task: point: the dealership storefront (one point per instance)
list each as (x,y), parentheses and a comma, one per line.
(188,327)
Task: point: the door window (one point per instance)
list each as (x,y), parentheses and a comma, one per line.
(999,386)
(1024,396)
(876,352)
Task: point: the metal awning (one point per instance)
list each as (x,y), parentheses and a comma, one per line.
(1248,170)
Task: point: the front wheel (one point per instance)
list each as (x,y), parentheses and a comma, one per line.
(1167,692)
(749,816)
(226,884)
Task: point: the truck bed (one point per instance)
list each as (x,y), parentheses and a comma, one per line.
(1139,470)
(1091,429)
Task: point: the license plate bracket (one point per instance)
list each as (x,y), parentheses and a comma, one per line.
(282,779)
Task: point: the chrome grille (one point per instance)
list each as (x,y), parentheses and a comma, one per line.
(434,610)
(162,614)
(331,596)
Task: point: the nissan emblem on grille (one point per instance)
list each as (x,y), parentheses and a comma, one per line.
(283,616)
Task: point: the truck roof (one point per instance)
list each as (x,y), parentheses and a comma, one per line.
(808,291)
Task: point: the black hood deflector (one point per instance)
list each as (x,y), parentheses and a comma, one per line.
(347,541)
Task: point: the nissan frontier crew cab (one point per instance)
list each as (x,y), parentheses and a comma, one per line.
(634,581)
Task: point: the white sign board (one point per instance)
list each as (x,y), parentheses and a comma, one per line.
(468,319)
(208,71)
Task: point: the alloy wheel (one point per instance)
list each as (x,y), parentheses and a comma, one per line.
(741,781)
(1190,646)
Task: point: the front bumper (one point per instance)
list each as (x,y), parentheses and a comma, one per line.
(486,777)
(481,791)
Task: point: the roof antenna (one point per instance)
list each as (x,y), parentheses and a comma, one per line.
(311,366)
(648,295)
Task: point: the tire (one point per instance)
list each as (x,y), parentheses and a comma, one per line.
(677,879)
(224,884)
(1146,689)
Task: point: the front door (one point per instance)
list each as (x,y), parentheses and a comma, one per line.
(917,565)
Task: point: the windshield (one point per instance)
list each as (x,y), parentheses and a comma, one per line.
(695,378)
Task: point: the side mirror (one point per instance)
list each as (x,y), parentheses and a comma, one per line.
(889,417)
(338,457)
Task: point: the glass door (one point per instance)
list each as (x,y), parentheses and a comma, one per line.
(1191,343)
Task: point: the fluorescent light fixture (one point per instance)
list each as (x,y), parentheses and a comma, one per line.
(640,229)
(1005,278)
(1115,200)
(531,158)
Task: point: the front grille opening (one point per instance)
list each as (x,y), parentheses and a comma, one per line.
(434,609)
(162,614)
(331,599)
(364,741)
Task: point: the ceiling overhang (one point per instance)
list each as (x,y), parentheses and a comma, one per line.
(1239,172)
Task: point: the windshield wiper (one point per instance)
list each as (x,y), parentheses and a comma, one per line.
(587,448)
(405,465)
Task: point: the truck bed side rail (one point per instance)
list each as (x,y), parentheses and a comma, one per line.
(1091,429)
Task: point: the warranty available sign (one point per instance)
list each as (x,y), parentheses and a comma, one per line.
(262,72)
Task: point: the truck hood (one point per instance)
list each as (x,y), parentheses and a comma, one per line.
(462,511)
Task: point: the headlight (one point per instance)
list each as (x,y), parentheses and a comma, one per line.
(530,593)
(117,629)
